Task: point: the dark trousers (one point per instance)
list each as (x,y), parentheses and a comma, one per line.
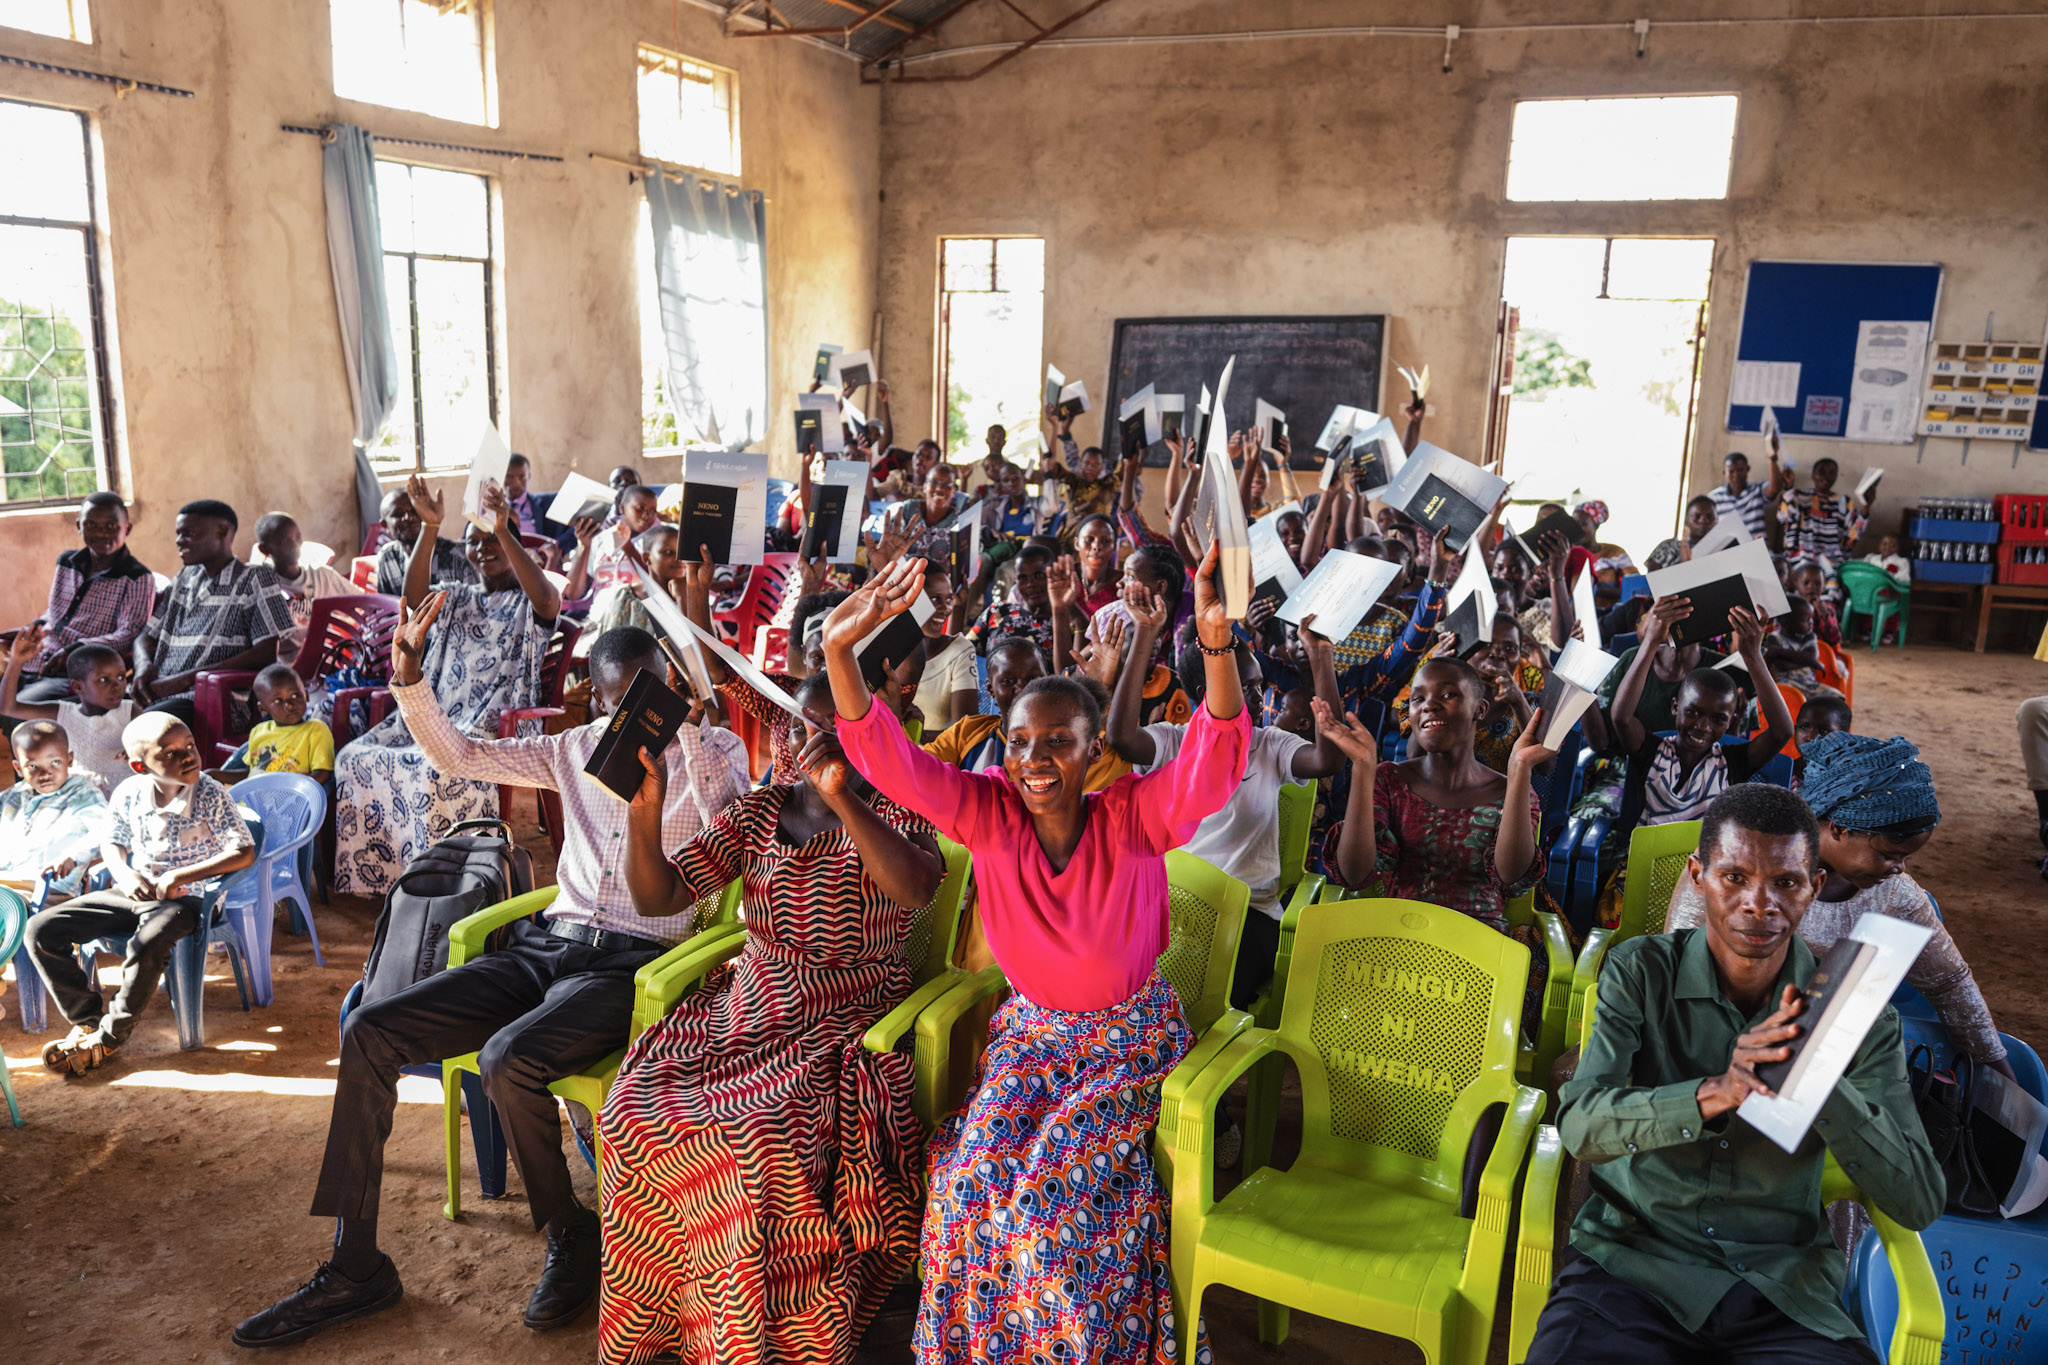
(1255,954)
(183,706)
(45,690)
(1595,1319)
(536,1010)
(151,927)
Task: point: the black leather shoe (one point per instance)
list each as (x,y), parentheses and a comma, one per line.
(326,1300)
(569,1279)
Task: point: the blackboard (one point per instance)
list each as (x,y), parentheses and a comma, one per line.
(1304,366)
(1808,311)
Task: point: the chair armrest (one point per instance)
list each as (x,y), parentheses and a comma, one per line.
(1535,1242)
(1923,1313)
(346,698)
(1303,895)
(1480,1281)
(662,983)
(1191,1139)
(1207,1049)
(1584,975)
(892,1028)
(1557,991)
(508,721)
(934,1055)
(467,936)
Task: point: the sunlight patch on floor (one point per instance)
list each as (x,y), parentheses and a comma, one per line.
(411,1089)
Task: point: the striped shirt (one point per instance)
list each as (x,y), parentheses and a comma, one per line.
(707,771)
(106,608)
(1820,526)
(196,826)
(451,565)
(1750,504)
(204,619)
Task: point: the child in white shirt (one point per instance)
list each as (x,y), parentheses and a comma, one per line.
(93,716)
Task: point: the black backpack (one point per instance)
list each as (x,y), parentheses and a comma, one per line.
(464,873)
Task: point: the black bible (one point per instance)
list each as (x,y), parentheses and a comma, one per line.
(647,718)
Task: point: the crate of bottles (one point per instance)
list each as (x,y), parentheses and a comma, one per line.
(2023,563)
(2022,517)
(1970,520)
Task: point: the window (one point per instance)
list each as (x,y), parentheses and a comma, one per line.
(687,112)
(55,413)
(992,317)
(423,55)
(657,419)
(437,284)
(1665,147)
(58,18)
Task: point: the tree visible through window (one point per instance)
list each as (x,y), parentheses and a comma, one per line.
(54,413)
(992,316)
(688,112)
(423,55)
(437,284)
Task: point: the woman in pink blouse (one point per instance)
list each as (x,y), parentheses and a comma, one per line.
(1046,1233)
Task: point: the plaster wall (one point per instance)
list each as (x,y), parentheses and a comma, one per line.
(1352,175)
(227,363)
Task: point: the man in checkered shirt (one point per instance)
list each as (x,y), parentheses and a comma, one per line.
(218,614)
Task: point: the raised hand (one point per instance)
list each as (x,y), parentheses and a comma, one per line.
(1747,628)
(811,574)
(425,501)
(1353,738)
(1438,561)
(1212,617)
(494,509)
(1240,445)
(586,529)
(653,789)
(1316,647)
(1063,583)
(27,641)
(1147,608)
(886,594)
(1556,554)
(1529,751)
(1663,614)
(1103,658)
(409,640)
(1262,610)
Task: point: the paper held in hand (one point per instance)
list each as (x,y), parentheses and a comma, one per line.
(891,642)
(1728,531)
(1271,424)
(1570,688)
(725,506)
(676,627)
(1867,485)
(830,438)
(1054,382)
(1418,381)
(1219,514)
(1338,592)
(1701,578)
(579,496)
(1274,574)
(1439,490)
(832,522)
(1845,1007)
(821,368)
(852,369)
(744,667)
(1138,421)
(1378,456)
(493,458)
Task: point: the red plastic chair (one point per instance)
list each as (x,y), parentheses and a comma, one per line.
(1794,699)
(767,582)
(553,671)
(335,627)
(363,572)
(373,539)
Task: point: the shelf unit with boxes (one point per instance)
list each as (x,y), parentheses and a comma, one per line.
(2023,539)
(1983,389)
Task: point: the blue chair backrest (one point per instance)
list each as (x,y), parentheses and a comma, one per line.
(1623,642)
(1777,772)
(780,491)
(1634,585)
(13,920)
(1557,793)
(292,806)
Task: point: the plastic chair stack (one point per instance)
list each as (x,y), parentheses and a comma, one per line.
(355,625)
(1401,1018)
(1876,594)
(292,807)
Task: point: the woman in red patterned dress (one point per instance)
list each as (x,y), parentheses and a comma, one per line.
(762,1187)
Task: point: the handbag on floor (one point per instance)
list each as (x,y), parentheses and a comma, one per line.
(475,866)
(1986,1133)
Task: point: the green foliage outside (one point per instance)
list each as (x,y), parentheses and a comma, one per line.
(957,401)
(1542,364)
(46,407)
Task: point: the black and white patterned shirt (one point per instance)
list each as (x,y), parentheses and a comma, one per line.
(198,825)
(451,565)
(202,620)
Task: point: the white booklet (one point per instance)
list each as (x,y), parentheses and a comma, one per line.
(852,369)
(1728,531)
(1704,578)
(1271,424)
(1568,691)
(832,522)
(579,496)
(1219,513)
(725,505)
(1338,592)
(1846,1019)
(679,630)
(1344,419)
(1867,485)
(493,457)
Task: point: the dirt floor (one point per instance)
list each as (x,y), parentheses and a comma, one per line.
(148,1207)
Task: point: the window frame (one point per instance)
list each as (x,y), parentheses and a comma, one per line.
(480,13)
(77,15)
(412,320)
(942,353)
(100,373)
(735,160)
(1728,182)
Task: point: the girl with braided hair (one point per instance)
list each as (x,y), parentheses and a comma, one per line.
(1875,802)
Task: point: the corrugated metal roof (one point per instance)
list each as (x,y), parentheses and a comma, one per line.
(873,38)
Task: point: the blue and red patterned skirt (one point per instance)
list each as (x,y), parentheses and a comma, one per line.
(1045,1241)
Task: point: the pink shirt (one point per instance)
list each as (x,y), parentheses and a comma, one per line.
(1085,938)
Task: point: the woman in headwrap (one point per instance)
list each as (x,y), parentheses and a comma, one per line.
(1875,802)
(1610,561)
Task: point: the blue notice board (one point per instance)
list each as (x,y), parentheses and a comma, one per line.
(1807,312)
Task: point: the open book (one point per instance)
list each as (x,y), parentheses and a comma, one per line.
(1438,489)
(1219,514)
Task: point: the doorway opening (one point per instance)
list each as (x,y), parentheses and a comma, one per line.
(1604,398)
(991,336)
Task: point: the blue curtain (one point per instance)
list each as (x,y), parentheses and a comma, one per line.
(355,252)
(710,268)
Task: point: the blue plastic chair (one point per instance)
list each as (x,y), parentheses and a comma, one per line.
(14,919)
(29,992)
(485,1132)
(292,808)
(1556,794)
(1990,1269)
(1634,585)
(1624,642)
(186,977)
(1776,773)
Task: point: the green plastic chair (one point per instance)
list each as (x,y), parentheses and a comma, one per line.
(933,935)
(1205,920)
(1297,816)
(657,987)
(13,923)
(1876,594)
(1656,860)
(1402,1023)
(1923,1316)
(1533,1060)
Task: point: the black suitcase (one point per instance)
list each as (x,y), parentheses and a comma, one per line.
(476,866)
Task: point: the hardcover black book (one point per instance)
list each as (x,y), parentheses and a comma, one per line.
(810,431)
(1071,408)
(1133,429)
(1369,465)
(1436,505)
(1711,603)
(1170,422)
(855,376)
(822,368)
(823,520)
(891,645)
(1831,983)
(1270,591)
(708,511)
(1561,523)
(1467,627)
(647,718)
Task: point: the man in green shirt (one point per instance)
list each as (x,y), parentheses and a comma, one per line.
(1703,1240)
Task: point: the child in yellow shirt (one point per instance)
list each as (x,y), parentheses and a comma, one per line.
(286,741)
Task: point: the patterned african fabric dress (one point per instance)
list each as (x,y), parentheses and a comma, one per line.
(762,1170)
(1046,1239)
(484,657)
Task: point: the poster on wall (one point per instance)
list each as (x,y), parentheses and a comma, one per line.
(1884,388)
